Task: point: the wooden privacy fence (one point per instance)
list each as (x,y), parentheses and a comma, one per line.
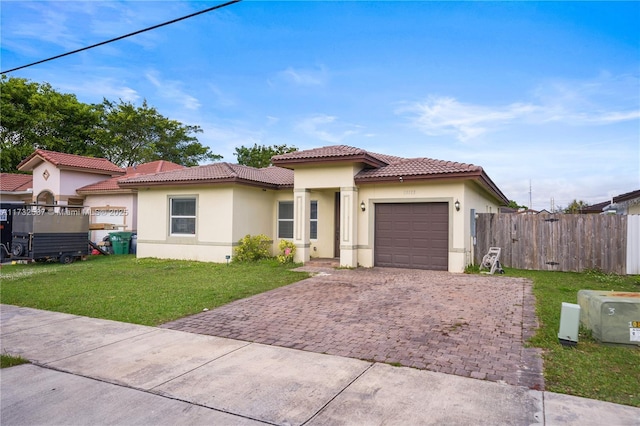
(560,242)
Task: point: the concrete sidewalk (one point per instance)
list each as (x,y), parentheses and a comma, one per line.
(90,371)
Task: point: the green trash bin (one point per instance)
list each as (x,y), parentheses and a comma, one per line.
(120,242)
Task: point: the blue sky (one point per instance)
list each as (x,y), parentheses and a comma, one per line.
(545,94)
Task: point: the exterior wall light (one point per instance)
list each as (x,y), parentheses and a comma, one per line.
(457,205)
(363,207)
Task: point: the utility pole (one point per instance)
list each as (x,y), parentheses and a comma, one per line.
(530,202)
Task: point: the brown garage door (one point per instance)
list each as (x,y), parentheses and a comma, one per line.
(412,235)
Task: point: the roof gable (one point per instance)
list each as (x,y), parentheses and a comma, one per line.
(331,154)
(70,162)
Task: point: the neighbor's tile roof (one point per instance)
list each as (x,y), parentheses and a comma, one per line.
(14,182)
(627,196)
(153,167)
(216,173)
(70,161)
(140,169)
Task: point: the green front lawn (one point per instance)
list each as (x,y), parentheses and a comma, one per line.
(590,370)
(152,292)
(139,291)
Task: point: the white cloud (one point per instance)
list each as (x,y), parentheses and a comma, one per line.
(601,101)
(304,77)
(96,89)
(327,128)
(172,90)
(445,115)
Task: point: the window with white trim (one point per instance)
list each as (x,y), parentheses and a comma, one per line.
(313,225)
(182,216)
(285,219)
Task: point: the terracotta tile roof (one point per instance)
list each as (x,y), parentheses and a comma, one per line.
(379,168)
(153,167)
(335,153)
(111,185)
(273,177)
(70,161)
(14,182)
(410,167)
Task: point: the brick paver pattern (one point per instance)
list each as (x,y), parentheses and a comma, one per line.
(467,325)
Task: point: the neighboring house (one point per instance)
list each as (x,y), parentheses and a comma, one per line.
(56,175)
(628,203)
(595,208)
(68,180)
(625,204)
(113,207)
(364,208)
(16,187)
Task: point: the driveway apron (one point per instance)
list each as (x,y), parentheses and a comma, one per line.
(467,325)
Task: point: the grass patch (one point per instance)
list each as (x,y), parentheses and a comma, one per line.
(7,360)
(591,370)
(138,291)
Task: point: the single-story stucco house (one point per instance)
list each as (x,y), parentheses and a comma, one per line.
(365,209)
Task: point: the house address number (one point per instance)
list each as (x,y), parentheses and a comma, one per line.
(409,192)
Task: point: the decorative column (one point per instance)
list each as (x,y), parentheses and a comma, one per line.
(349,227)
(301,220)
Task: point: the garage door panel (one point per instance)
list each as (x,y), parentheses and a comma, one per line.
(412,235)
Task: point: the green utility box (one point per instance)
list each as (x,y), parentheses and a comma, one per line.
(612,316)
(120,242)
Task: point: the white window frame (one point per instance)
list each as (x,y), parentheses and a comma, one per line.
(172,216)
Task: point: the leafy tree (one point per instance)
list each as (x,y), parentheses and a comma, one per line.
(514,205)
(130,135)
(576,206)
(34,115)
(37,116)
(260,156)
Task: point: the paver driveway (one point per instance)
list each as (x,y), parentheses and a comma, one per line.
(468,325)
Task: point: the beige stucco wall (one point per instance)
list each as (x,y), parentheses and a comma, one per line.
(227,213)
(253,212)
(634,209)
(224,214)
(327,176)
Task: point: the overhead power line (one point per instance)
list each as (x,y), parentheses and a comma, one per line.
(220,6)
